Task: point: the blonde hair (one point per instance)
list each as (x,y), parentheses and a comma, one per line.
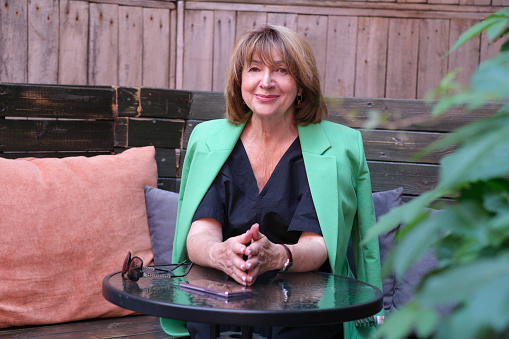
(299,60)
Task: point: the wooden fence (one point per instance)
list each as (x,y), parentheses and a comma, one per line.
(376,49)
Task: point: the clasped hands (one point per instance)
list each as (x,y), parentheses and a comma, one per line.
(248,255)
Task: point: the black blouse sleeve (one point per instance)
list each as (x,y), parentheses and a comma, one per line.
(211,205)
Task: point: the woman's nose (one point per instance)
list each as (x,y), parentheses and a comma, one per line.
(267,81)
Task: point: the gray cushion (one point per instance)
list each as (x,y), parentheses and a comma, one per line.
(383,202)
(162,218)
(406,284)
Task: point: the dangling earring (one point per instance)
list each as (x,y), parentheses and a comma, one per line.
(299,100)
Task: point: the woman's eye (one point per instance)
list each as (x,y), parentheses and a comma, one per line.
(282,70)
(253,69)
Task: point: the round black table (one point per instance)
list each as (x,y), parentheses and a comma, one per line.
(290,299)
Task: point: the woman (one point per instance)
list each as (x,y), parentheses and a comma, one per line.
(274,187)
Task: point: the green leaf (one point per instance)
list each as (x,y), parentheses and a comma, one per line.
(505,46)
(486,311)
(459,283)
(495,29)
(400,323)
(426,323)
(492,77)
(415,244)
(483,159)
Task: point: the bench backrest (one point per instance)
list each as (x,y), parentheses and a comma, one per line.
(59,121)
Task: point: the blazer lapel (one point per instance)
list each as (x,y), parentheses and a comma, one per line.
(321,171)
(209,162)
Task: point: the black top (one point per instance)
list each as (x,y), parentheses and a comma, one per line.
(283,209)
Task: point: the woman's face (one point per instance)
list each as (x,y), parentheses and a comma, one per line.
(268,90)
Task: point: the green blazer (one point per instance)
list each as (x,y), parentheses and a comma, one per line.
(338,178)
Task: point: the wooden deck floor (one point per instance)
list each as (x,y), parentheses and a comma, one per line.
(139,327)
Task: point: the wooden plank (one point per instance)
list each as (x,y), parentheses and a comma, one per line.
(356,8)
(340,60)
(466,57)
(207,105)
(103,45)
(167,4)
(313,29)
(414,178)
(249,20)
(167,162)
(50,154)
(172,76)
(283,19)
(151,102)
(402,59)
(131,326)
(475,2)
(381,0)
(130,38)
(411,115)
(412,1)
(198,50)
(14,41)
(156,47)
(128,101)
(169,184)
(371,60)
(224,35)
(444,2)
(163,133)
(55,135)
(179,61)
(121,132)
(73,52)
(43,16)
(400,146)
(433,46)
(188,129)
(57,101)
(500,3)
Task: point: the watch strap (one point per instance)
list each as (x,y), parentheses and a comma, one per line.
(289,261)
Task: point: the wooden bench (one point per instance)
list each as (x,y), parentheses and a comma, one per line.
(62,121)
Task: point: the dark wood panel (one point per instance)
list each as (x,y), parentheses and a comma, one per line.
(55,135)
(156,132)
(167,162)
(400,146)
(169,184)
(121,129)
(207,105)
(152,102)
(190,125)
(411,115)
(414,178)
(45,101)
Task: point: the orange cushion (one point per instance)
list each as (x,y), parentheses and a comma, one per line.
(64,225)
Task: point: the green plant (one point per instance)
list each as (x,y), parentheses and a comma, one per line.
(471,236)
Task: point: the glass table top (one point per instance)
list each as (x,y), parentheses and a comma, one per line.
(276,299)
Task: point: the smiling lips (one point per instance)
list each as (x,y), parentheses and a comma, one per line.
(266,98)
